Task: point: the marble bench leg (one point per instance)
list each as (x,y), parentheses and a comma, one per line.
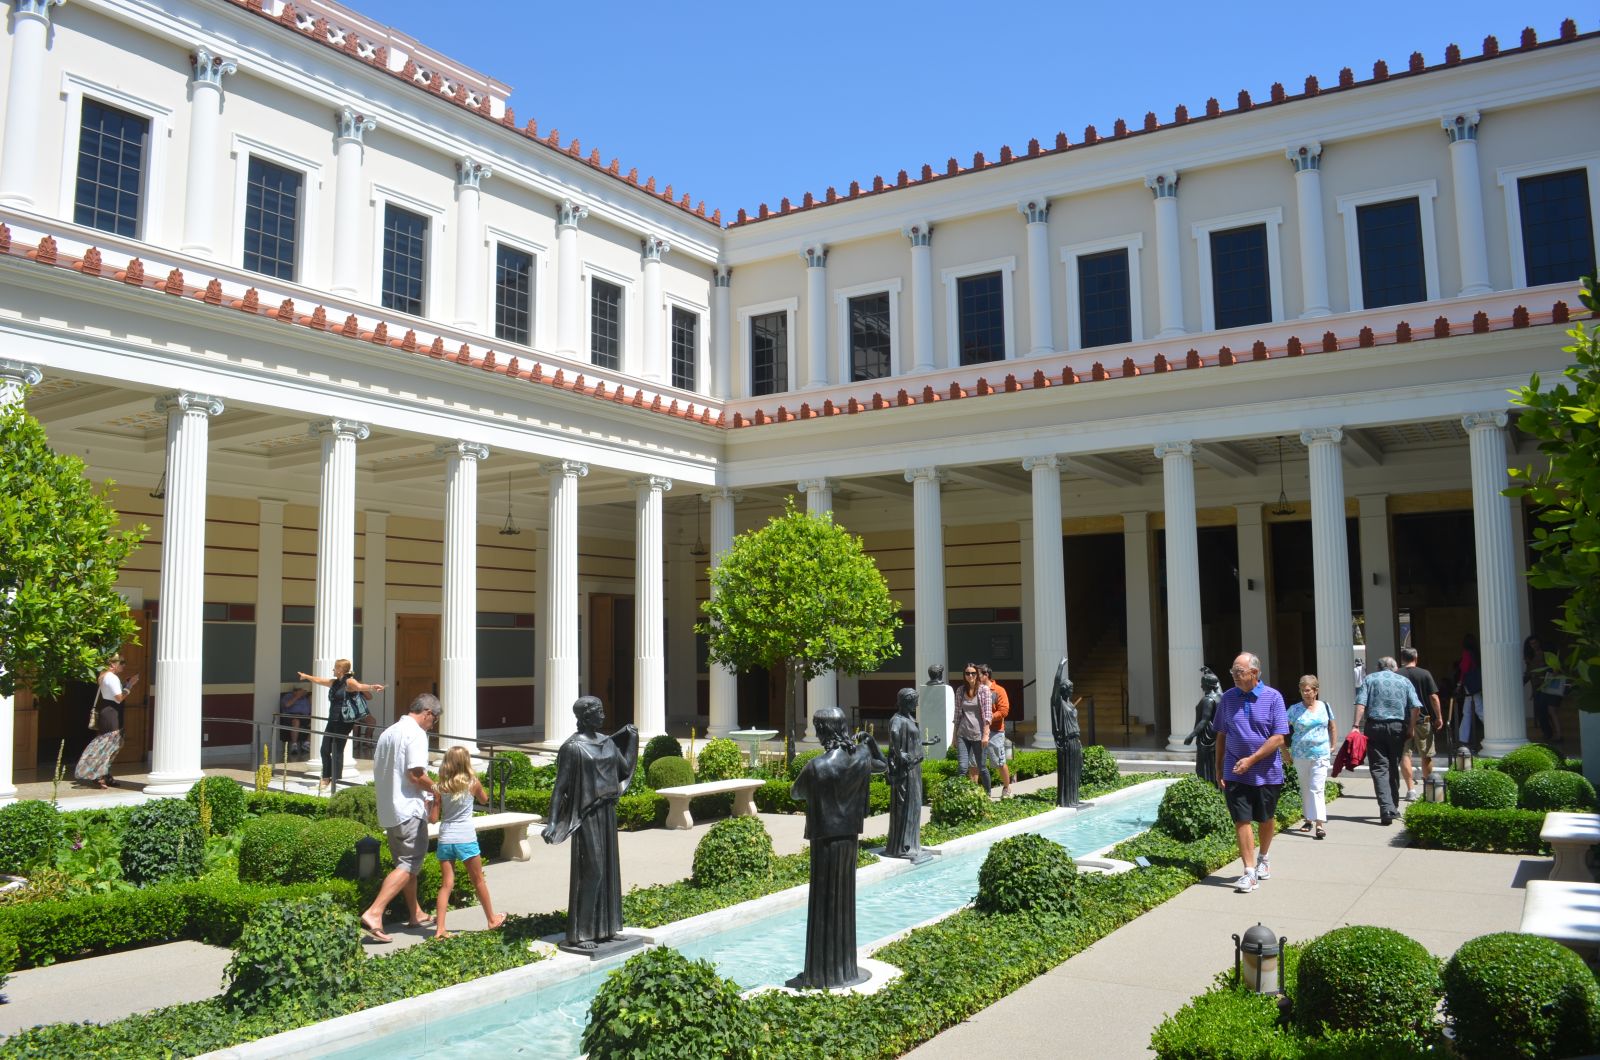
(678,815)
(1569,862)
(744,802)
(516,845)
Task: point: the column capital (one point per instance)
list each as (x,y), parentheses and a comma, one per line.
(342,429)
(186,401)
(816,255)
(924,474)
(1461,128)
(1049,461)
(722,276)
(1330,435)
(1037,211)
(658,483)
(651,248)
(722,493)
(569,213)
(565,468)
(39,9)
(1163,185)
(209,67)
(19,373)
(1306,158)
(1166,449)
(919,232)
(465,450)
(353,126)
(806,485)
(1495,418)
(471,173)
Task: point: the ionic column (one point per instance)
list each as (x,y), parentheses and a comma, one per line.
(1141,628)
(723,683)
(654,344)
(333,625)
(1500,646)
(1049,583)
(347,210)
(1462,129)
(1330,566)
(19,150)
(822,690)
(175,757)
(15,378)
(1185,645)
(561,607)
(1169,270)
(928,542)
(205,115)
(816,258)
(921,237)
(1377,578)
(1255,623)
(721,331)
(1307,162)
(470,293)
(375,631)
(1041,331)
(269,622)
(458,647)
(569,312)
(649,610)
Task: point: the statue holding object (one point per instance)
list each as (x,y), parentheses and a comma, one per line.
(1205,754)
(1064,728)
(906,745)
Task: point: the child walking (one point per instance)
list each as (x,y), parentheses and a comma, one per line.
(458,790)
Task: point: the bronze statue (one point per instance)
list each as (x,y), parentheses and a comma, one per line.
(1205,754)
(592,772)
(1064,729)
(905,780)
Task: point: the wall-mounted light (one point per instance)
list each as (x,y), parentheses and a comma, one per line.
(1377,579)
(1250,584)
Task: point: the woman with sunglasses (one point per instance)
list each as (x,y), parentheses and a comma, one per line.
(94,765)
(974,715)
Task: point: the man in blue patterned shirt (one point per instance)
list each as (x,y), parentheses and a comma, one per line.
(1388,705)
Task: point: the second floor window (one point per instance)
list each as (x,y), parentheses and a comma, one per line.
(271,219)
(769,354)
(685,347)
(1557,229)
(1240,289)
(981,308)
(513,295)
(605,324)
(869,337)
(112,146)
(1390,235)
(1104,302)
(405,259)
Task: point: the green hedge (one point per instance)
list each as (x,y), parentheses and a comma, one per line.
(1440,826)
(1481,789)
(1364,978)
(264,802)
(1527,760)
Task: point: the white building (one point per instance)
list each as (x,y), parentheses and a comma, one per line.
(331,316)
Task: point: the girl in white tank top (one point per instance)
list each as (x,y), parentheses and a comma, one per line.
(459,789)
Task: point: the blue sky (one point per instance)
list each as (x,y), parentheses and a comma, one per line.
(740,103)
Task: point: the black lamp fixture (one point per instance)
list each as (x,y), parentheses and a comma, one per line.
(510,529)
(1256,959)
(1283,507)
(699,550)
(367,849)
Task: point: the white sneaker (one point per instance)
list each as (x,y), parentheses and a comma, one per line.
(1411,794)
(1263,870)
(1246,883)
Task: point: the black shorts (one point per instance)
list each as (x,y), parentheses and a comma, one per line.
(1252,802)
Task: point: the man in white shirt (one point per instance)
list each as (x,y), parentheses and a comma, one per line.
(405,792)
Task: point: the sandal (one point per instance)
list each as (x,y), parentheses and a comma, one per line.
(1321,832)
(1305,826)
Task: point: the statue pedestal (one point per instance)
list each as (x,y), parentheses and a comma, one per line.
(916,859)
(609,948)
(936,713)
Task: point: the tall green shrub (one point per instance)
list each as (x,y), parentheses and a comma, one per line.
(293,954)
(662,746)
(1527,760)
(513,768)
(719,760)
(957,800)
(1481,789)
(226,800)
(326,850)
(1099,767)
(29,833)
(670,771)
(1519,995)
(1192,809)
(358,803)
(1027,872)
(162,842)
(1368,979)
(267,845)
(1557,789)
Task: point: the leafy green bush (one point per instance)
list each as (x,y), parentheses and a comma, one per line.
(1557,789)
(1511,994)
(662,746)
(1027,871)
(1191,809)
(512,768)
(1025,765)
(266,847)
(1369,979)
(294,954)
(1225,1024)
(719,760)
(163,842)
(878,796)
(1099,767)
(326,850)
(638,810)
(358,803)
(8,957)
(957,800)
(265,802)
(1527,760)
(670,771)
(735,849)
(662,1005)
(225,798)
(1440,826)
(936,769)
(1481,789)
(528,800)
(800,761)
(29,832)
(773,797)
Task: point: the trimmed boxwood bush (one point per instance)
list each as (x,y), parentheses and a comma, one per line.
(1511,994)
(1527,760)
(878,796)
(1192,809)
(1481,789)
(957,800)
(800,761)
(513,768)
(774,797)
(266,847)
(670,771)
(226,801)
(738,848)
(1027,871)
(1444,827)
(326,850)
(359,803)
(8,957)
(1098,766)
(661,1005)
(1556,789)
(162,842)
(1368,979)
(29,832)
(265,802)
(719,760)
(294,954)
(661,746)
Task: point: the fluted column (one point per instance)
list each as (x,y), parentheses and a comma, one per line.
(1376,578)
(269,621)
(723,682)
(1498,633)
(921,237)
(1049,582)
(928,543)
(458,646)
(569,307)
(1169,270)
(333,626)
(1185,645)
(15,378)
(1330,567)
(649,611)
(347,209)
(721,332)
(375,626)
(1462,129)
(653,342)
(1141,630)
(25,93)
(822,690)
(816,258)
(175,757)
(470,293)
(1255,618)
(1041,330)
(205,115)
(1307,162)
(561,609)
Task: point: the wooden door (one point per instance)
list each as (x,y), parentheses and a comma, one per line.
(136,719)
(611,656)
(416,660)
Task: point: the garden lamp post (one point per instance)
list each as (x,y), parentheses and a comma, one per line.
(367,849)
(1462,759)
(1433,788)
(1255,959)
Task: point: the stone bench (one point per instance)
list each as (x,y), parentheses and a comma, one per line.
(515,826)
(1565,912)
(744,798)
(1570,836)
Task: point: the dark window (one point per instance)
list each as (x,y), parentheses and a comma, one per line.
(605,324)
(981,303)
(405,259)
(1105,306)
(685,347)
(869,337)
(111,146)
(1241,292)
(769,354)
(1390,235)
(271,219)
(1557,229)
(513,294)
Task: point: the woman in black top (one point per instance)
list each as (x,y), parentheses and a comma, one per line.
(94,765)
(345,707)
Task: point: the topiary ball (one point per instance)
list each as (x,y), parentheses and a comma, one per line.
(326,850)
(1481,789)
(719,760)
(800,761)
(1527,760)
(266,846)
(225,800)
(736,848)
(1557,789)
(162,842)
(1511,994)
(660,1004)
(1368,979)
(659,747)
(670,771)
(1193,809)
(1098,767)
(1027,872)
(29,833)
(514,768)
(294,953)
(957,800)
(359,803)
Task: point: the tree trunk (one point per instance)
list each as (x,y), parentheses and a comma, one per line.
(791,699)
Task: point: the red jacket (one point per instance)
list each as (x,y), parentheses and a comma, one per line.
(1351,753)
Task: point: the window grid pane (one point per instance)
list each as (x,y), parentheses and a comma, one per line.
(1241,292)
(769,354)
(1557,229)
(605,324)
(271,219)
(982,308)
(513,295)
(869,337)
(685,347)
(1104,303)
(1390,235)
(405,259)
(111,146)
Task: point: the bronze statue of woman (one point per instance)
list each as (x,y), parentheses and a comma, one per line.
(1205,753)
(1064,729)
(905,780)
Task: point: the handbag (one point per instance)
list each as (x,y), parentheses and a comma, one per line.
(94,713)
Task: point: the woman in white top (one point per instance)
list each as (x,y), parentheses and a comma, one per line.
(459,790)
(94,765)
(1312,738)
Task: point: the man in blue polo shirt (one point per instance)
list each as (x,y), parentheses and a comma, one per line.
(1252,727)
(1386,711)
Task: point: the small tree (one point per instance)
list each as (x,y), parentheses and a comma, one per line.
(60,554)
(802,593)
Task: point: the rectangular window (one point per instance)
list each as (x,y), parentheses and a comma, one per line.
(981,308)
(513,295)
(1557,230)
(111,156)
(605,324)
(869,337)
(1240,289)
(1105,304)
(769,354)
(405,259)
(685,347)
(1390,235)
(271,219)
